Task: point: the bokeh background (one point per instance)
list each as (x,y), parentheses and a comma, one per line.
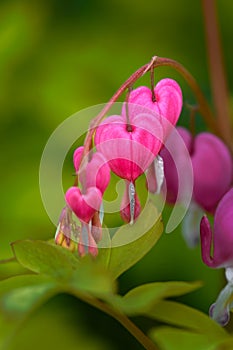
(56,58)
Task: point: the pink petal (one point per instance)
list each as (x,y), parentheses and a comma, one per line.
(129,153)
(206,242)
(223,231)
(166,108)
(212,168)
(84,205)
(77,158)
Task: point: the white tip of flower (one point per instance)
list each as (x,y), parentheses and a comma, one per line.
(220,310)
(229,274)
(101,213)
(159,172)
(132,202)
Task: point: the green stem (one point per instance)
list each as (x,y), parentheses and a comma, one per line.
(217,71)
(121,318)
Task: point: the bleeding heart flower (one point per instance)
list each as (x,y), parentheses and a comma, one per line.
(222,236)
(212,168)
(84,205)
(222,240)
(96,172)
(211,162)
(166,107)
(129,147)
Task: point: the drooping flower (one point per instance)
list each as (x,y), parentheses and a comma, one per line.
(212,168)
(211,162)
(166,107)
(97,171)
(129,145)
(222,240)
(85,203)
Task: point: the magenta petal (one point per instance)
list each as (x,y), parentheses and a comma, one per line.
(212,168)
(97,172)
(129,152)
(77,158)
(175,164)
(84,205)
(206,242)
(166,108)
(223,231)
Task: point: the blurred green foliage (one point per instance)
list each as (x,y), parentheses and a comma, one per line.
(57,57)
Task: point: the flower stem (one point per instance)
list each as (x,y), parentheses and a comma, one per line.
(146,342)
(154,63)
(217,72)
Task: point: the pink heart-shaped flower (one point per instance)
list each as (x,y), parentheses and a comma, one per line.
(129,149)
(96,173)
(212,169)
(84,205)
(166,108)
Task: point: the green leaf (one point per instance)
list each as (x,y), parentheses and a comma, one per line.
(174,339)
(185,316)
(141,299)
(86,274)
(11,267)
(104,247)
(131,242)
(20,295)
(46,258)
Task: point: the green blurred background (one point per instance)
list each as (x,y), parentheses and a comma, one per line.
(57,57)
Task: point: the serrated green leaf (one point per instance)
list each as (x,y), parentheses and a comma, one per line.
(131,242)
(169,338)
(187,317)
(85,275)
(141,299)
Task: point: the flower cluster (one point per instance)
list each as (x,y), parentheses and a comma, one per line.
(127,144)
